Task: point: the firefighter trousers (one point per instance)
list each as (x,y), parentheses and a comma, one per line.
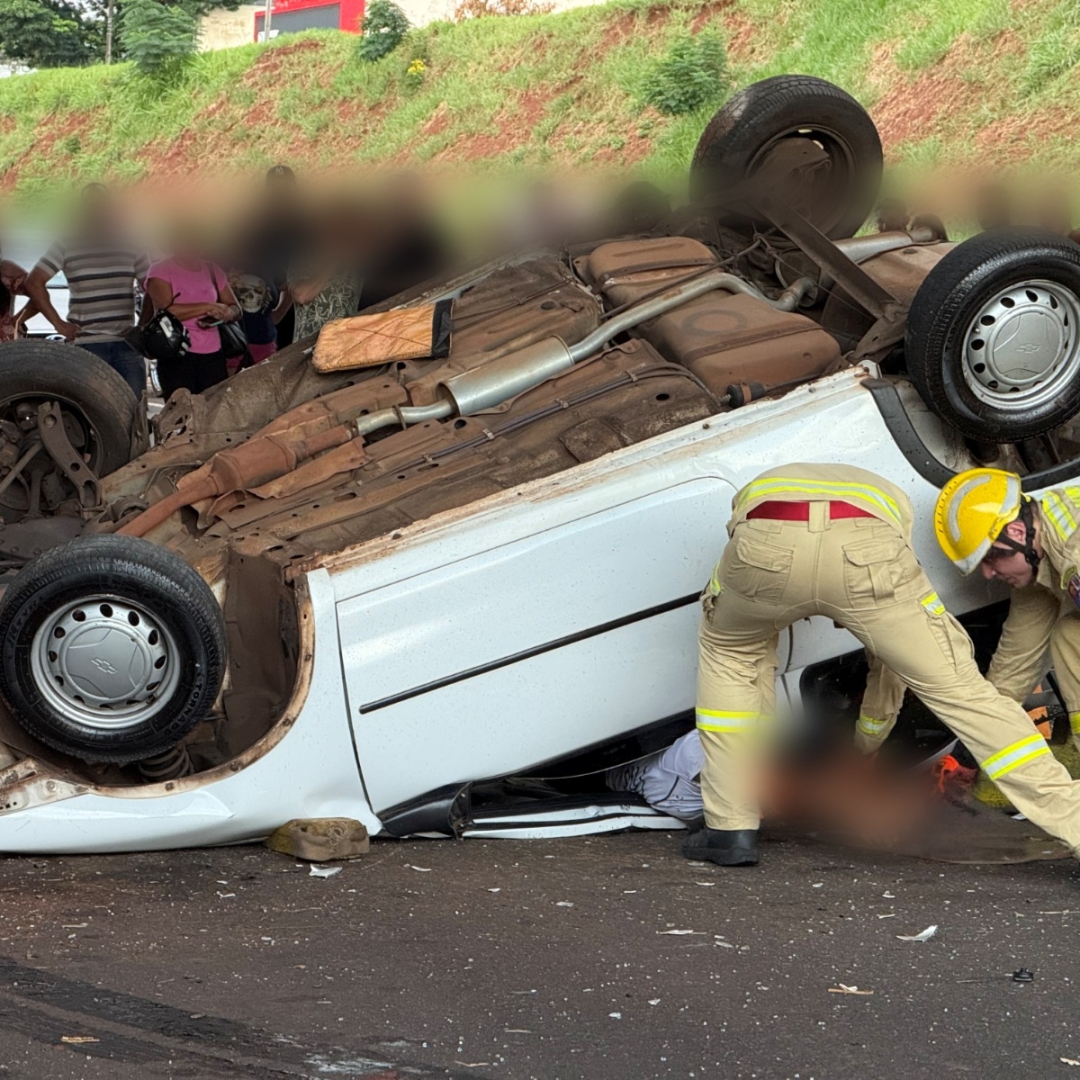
(1037,622)
(861,573)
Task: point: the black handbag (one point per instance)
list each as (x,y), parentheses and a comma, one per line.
(233,340)
(164,338)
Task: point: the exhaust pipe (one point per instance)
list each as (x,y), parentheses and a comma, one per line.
(485,387)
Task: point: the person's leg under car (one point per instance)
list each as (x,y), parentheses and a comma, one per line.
(927,648)
(1065,654)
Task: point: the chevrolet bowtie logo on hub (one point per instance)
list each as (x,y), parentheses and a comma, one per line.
(104,665)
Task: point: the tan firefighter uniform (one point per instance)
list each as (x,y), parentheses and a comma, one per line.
(1043,616)
(861,572)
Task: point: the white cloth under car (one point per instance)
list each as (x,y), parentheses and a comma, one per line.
(667,780)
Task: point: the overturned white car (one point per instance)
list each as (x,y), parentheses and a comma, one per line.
(380,592)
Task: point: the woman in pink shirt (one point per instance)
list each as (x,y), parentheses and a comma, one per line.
(197,292)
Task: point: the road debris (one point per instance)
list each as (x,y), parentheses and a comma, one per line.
(1069,1061)
(840,988)
(324,871)
(78,1040)
(891,915)
(420,869)
(1022,975)
(320,839)
(926,935)
(680,932)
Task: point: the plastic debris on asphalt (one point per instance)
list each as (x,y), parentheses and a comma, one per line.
(680,932)
(926,935)
(324,871)
(840,988)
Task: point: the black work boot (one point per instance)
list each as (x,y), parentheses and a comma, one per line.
(725,847)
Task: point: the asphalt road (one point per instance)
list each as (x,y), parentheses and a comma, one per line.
(549,959)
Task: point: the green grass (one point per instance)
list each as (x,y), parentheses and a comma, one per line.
(560,89)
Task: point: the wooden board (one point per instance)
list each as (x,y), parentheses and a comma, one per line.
(371,340)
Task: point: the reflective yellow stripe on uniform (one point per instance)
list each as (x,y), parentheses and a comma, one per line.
(1012,757)
(718,720)
(715,588)
(1074,722)
(838,489)
(932,603)
(1060,514)
(869,726)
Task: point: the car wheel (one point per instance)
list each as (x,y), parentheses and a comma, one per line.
(753,133)
(96,404)
(111,648)
(993,335)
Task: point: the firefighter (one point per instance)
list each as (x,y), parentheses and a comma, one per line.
(836,541)
(984,522)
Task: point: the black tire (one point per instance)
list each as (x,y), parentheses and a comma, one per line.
(105,579)
(756,120)
(949,338)
(86,388)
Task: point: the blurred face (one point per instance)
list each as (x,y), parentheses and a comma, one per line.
(96,206)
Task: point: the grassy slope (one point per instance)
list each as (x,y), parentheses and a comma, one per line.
(949,82)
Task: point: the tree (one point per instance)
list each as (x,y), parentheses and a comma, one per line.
(49,33)
(156,36)
(384,25)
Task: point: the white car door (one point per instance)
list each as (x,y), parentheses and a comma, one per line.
(511,656)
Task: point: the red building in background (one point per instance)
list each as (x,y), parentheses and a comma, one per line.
(290,16)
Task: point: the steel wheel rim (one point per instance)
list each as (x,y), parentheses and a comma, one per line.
(104,662)
(1022,349)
